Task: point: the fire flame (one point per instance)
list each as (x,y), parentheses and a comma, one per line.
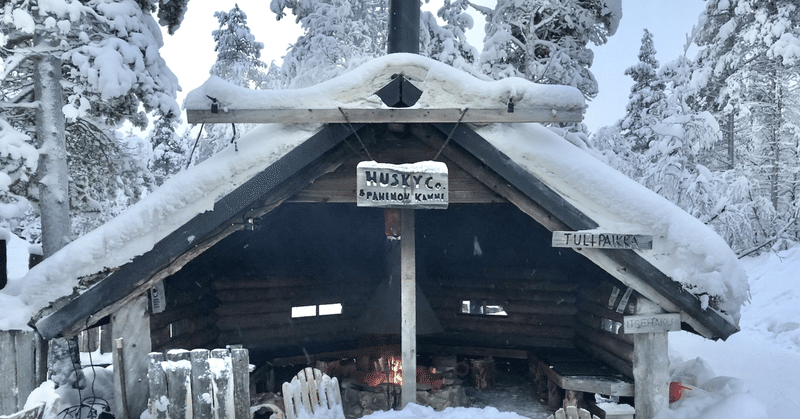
(389,369)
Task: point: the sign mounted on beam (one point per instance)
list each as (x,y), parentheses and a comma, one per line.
(647,323)
(581,239)
(412,185)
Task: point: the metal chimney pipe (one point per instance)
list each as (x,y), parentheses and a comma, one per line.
(403,33)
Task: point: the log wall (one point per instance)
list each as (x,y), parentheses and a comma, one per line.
(598,324)
(189,319)
(255,310)
(540,306)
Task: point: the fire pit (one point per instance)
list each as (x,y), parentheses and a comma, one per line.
(373,381)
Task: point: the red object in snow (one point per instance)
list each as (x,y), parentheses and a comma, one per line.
(676,391)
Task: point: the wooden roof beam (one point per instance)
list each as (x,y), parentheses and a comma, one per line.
(383,115)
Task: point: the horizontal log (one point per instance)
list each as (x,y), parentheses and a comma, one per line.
(458,319)
(331,293)
(619,364)
(617,347)
(595,323)
(275,320)
(173,314)
(505,331)
(525,302)
(472,339)
(382,115)
(599,311)
(200,339)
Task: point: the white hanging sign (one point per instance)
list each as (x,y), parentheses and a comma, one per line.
(412,185)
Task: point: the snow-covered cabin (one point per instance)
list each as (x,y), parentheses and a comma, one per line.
(271,227)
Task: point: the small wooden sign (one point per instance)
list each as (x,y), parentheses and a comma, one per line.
(670,322)
(413,185)
(580,239)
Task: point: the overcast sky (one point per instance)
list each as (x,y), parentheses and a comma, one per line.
(190,52)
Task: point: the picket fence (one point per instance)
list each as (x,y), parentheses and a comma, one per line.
(200,384)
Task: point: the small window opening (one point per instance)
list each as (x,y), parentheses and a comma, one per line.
(483,308)
(316,310)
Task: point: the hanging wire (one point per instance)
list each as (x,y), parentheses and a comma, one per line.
(356,134)
(233,138)
(189,163)
(452,131)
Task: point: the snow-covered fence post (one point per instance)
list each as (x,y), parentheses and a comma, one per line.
(202,390)
(222,376)
(200,384)
(18,368)
(240,362)
(179,382)
(157,381)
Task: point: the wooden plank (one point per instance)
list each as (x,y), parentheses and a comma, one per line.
(143,271)
(131,325)
(223,382)
(646,323)
(202,404)
(408,306)
(8,373)
(382,116)
(578,239)
(25,348)
(157,383)
(178,371)
(421,185)
(240,363)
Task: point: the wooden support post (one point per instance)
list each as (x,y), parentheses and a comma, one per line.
(650,366)
(408,305)
(132,324)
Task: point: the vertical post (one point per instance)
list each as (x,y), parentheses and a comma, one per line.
(202,405)
(650,366)
(408,306)
(157,383)
(132,324)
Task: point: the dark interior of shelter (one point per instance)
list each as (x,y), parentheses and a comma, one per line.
(317,284)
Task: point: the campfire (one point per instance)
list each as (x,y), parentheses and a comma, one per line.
(373,381)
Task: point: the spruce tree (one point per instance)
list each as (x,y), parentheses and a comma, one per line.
(647,93)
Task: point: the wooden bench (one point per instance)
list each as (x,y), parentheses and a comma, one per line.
(576,373)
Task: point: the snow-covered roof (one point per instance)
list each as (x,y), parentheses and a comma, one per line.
(684,249)
(442,87)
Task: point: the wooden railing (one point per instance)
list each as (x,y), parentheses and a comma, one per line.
(200,384)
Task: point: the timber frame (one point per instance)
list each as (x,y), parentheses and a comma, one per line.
(323,153)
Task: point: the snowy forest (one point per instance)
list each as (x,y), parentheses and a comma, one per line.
(715,131)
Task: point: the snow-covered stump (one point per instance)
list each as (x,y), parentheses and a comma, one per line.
(200,384)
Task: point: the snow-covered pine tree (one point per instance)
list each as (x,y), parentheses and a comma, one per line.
(647,95)
(339,35)
(170,150)
(747,70)
(238,62)
(107,53)
(238,53)
(448,43)
(547,41)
